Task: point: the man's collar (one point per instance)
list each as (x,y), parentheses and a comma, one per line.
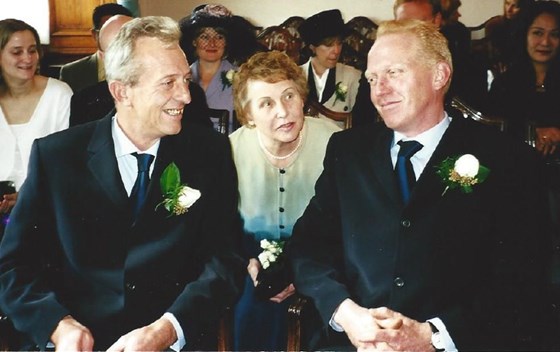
(427,137)
(124,146)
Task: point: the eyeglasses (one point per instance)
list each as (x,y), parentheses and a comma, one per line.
(216,39)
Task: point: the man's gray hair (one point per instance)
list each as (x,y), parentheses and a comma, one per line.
(120,62)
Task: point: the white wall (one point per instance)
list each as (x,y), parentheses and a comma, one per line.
(272,12)
(33,12)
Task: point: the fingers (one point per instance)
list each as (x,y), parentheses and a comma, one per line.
(70,335)
(548,139)
(7,202)
(287,292)
(253,269)
(118,346)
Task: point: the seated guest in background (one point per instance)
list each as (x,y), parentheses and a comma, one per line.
(96,101)
(527,95)
(278,154)
(504,35)
(457,34)
(93,259)
(424,260)
(330,82)
(469,79)
(212,39)
(32,105)
(89,70)
(93,103)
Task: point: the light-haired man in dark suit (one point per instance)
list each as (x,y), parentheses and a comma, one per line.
(89,260)
(401,257)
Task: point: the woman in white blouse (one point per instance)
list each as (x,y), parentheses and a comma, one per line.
(32,106)
(278,153)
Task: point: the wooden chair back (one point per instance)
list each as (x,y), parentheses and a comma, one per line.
(470,112)
(313,108)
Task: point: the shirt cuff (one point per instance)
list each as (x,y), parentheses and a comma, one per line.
(448,343)
(333,323)
(180,342)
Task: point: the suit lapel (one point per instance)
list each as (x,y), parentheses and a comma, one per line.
(329,86)
(102,163)
(429,184)
(380,159)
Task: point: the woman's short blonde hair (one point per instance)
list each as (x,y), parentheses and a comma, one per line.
(269,67)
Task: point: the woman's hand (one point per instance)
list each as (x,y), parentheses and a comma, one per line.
(253,269)
(7,202)
(287,292)
(548,139)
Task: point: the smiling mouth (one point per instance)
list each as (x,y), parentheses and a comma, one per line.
(173,112)
(388,104)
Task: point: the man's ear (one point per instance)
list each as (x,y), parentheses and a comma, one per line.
(438,19)
(120,92)
(442,75)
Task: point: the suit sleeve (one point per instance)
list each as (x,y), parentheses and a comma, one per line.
(25,292)
(315,249)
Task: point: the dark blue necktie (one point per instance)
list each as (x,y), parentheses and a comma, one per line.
(404,170)
(140,188)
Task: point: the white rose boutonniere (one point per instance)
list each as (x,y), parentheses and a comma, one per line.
(178,197)
(340,92)
(462,172)
(227,78)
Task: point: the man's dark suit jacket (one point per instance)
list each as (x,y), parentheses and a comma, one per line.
(81,73)
(72,246)
(474,260)
(96,101)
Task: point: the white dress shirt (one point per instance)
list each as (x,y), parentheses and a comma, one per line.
(320,81)
(128,168)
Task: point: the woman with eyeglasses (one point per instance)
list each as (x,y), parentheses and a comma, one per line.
(212,40)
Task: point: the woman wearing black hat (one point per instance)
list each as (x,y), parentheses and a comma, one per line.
(332,84)
(212,40)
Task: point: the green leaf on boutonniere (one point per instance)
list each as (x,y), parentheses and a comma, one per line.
(178,198)
(170,179)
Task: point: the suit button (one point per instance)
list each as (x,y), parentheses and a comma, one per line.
(399,282)
(130,286)
(405,223)
(281,209)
